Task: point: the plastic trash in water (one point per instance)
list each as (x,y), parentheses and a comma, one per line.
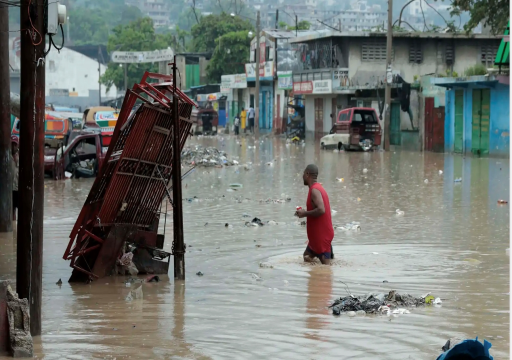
(425,181)
(333,212)
(440,172)
(468,349)
(365,170)
(458,180)
(399,212)
(256,277)
(67,174)
(502,202)
(437,301)
(340,179)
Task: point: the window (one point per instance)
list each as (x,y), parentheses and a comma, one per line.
(52,65)
(267,53)
(374,50)
(488,54)
(415,53)
(449,54)
(344,116)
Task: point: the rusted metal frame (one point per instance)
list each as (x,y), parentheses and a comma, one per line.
(94,237)
(85,251)
(158,92)
(141,117)
(141,152)
(76,267)
(148,93)
(157,157)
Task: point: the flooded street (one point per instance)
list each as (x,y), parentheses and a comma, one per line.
(451,241)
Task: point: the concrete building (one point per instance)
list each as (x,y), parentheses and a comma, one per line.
(477,114)
(344,69)
(72,79)
(157,10)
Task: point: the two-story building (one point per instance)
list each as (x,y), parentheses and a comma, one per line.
(344,69)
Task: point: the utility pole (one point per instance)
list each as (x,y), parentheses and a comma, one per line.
(296,25)
(29,257)
(387,96)
(126,77)
(99,76)
(5,127)
(258,63)
(277,19)
(177,212)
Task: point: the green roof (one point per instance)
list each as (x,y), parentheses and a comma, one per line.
(502,57)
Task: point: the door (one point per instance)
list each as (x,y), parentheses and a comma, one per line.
(263,110)
(429,123)
(438,130)
(480,121)
(319,115)
(459,121)
(394,138)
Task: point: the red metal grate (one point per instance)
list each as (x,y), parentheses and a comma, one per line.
(133,180)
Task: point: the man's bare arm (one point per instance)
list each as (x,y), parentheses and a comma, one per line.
(318,203)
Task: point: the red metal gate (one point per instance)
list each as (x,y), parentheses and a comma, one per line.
(429,123)
(125,199)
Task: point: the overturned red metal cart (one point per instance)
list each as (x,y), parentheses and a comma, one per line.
(125,200)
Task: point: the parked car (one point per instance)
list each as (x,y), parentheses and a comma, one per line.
(205,121)
(355,129)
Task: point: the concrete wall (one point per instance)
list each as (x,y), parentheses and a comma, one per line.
(74,72)
(467,54)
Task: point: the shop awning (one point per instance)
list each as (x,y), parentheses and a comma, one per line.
(464,82)
(502,57)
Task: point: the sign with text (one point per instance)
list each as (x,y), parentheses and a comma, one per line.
(340,78)
(266,70)
(313,87)
(235,81)
(284,80)
(131,57)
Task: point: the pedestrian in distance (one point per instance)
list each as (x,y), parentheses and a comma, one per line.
(251,119)
(243,118)
(237,124)
(319,223)
(15,174)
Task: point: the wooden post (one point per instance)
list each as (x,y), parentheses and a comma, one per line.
(179,245)
(5,127)
(387,96)
(29,258)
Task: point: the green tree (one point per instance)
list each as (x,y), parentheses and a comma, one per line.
(138,35)
(211,27)
(301,25)
(230,55)
(493,13)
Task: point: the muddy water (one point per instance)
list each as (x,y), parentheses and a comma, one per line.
(451,241)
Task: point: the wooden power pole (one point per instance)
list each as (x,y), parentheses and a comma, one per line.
(5,126)
(177,212)
(387,96)
(29,258)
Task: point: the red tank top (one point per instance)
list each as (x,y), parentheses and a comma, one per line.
(320,230)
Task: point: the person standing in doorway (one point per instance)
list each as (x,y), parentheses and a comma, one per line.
(251,119)
(319,223)
(15,173)
(237,124)
(243,118)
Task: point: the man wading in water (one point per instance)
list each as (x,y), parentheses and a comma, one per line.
(319,223)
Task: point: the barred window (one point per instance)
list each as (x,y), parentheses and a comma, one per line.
(488,54)
(415,53)
(449,54)
(374,50)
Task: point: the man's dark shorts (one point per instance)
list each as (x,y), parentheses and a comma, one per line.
(326,255)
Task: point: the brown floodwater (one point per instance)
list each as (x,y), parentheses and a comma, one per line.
(451,241)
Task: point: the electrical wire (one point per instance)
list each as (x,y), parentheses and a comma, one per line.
(33,27)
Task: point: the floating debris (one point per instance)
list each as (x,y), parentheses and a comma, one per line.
(352,226)
(392,304)
(458,180)
(208,157)
(399,212)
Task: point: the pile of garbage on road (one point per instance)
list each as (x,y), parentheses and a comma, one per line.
(391,304)
(205,156)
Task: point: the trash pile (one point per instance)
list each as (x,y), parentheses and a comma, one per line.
(200,156)
(392,304)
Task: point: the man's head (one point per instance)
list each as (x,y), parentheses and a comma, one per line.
(14,144)
(310,174)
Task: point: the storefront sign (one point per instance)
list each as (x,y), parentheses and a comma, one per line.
(313,87)
(266,71)
(236,81)
(322,86)
(131,57)
(285,80)
(59,92)
(304,87)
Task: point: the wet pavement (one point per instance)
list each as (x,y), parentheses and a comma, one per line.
(451,241)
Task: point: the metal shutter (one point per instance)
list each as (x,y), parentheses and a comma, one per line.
(449,54)
(374,50)
(488,53)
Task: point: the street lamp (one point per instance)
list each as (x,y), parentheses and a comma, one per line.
(257,73)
